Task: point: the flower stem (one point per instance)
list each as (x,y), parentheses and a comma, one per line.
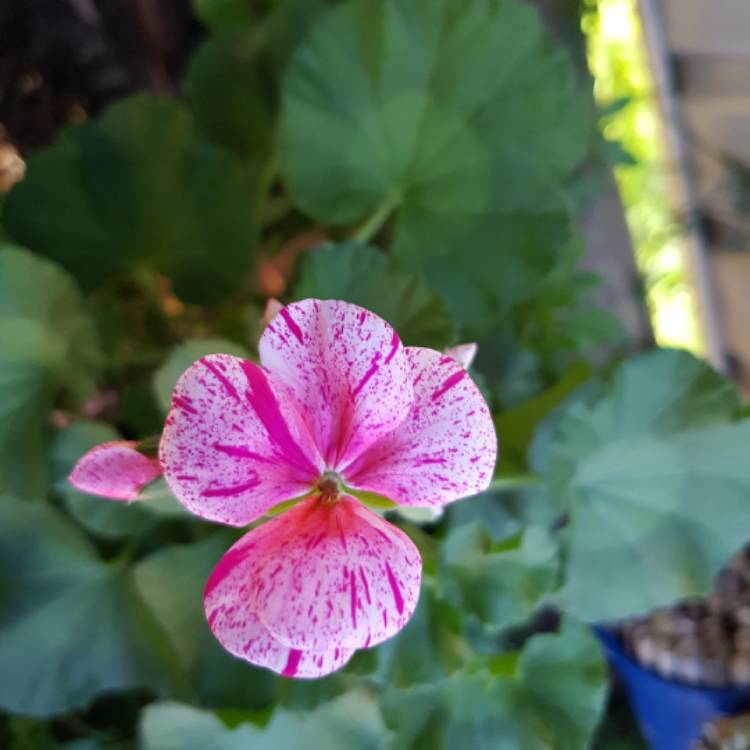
(372,224)
(514,482)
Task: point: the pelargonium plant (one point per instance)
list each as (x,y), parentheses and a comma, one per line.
(340,415)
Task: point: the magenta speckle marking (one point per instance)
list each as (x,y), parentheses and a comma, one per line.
(237,489)
(239,452)
(365,585)
(397,597)
(295,655)
(428,460)
(186,478)
(232,558)
(366,377)
(219,375)
(454,379)
(181,403)
(353,598)
(395,341)
(293,327)
(265,405)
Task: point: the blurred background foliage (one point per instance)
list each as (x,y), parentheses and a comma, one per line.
(630,122)
(430,161)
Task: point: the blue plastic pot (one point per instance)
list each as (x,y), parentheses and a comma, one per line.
(670,715)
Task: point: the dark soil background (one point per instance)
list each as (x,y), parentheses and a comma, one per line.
(63,60)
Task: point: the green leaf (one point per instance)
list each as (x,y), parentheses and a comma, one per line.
(393,108)
(230,99)
(516,426)
(35,292)
(414,715)
(223,15)
(487,270)
(502,584)
(552,699)
(171,582)
(654,479)
(105,518)
(181,357)
(411,106)
(137,188)
(49,348)
(427,649)
(585,328)
(361,274)
(73,627)
(350,722)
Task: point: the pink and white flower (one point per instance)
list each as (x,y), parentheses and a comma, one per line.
(339,410)
(115,470)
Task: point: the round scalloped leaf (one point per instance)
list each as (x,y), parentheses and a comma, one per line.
(655,481)
(49,346)
(362,275)
(551,695)
(171,582)
(73,627)
(230,99)
(501,583)
(137,188)
(39,296)
(351,721)
(397,105)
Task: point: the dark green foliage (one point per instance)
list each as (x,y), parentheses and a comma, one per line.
(138,188)
(419,159)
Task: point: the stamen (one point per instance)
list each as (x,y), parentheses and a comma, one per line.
(329,487)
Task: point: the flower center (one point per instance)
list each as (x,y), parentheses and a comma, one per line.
(329,486)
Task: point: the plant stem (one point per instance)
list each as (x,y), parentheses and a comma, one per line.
(509,483)
(372,224)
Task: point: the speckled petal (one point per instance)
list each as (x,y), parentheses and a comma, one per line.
(328,576)
(344,368)
(231,447)
(232,619)
(464,354)
(114,470)
(444,451)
